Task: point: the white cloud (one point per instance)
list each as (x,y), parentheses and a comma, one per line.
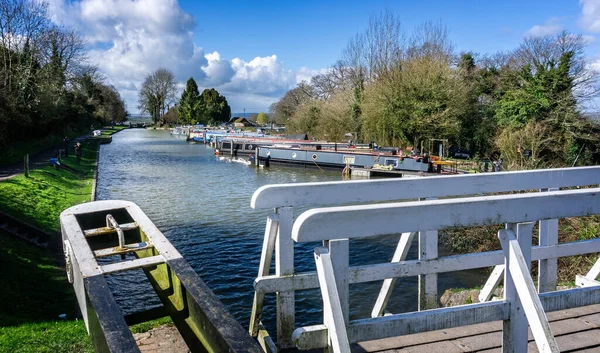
(590,15)
(552,26)
(131,38)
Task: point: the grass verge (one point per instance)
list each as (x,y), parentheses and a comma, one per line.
(36,289)
(37,292)
(48,191)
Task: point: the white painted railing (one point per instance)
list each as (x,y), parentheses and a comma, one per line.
(521,306)
(285,197)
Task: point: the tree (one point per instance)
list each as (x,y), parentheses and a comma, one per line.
(262,118)
(286,107)
(214,107)
(172,115)
(189,103)
(157,93)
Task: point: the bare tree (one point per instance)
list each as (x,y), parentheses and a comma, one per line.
(431,40)
(546,52)
(158,93)
(22,23)
(374,52)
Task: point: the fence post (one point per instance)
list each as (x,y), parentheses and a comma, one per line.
(26,165)
(514,330)
(428,249)
(547,268)
(340,258)
(284,265)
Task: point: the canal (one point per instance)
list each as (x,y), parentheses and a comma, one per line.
(202,205)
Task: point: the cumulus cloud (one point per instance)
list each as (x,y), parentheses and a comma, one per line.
(552,26)
(131,38)
(590,15)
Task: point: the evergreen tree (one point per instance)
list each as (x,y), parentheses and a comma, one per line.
(215,106)
(189,106)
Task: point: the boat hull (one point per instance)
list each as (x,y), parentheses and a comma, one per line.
(339,159)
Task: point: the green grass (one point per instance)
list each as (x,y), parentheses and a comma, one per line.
(50,336)
(148,325)
(35,293)
(112,130)
(41,198)
(36,290)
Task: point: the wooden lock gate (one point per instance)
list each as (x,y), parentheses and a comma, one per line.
(112,229)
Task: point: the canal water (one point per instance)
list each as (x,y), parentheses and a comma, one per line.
(202,205)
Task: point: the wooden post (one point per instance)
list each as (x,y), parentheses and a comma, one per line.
(514,330)
(263,270)
(531,306)
(406,240)
(547,268)
(26,165)
(336,325)
(340,257)
(284,265)
(428,249)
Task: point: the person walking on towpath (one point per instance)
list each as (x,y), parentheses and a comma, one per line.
(78,152)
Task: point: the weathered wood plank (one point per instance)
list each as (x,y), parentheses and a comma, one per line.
(312,337)
(266,257)
(335,321)
(126,249)
(582,281)
(339,253)
(387,287)
(514,328)
(547,268)
(312,225)
(109,230)
(359,274)
(132,264)
(284,266)
(428,250)
(492,282)
(355,191)
(570,298)
(519,270)
(594,272)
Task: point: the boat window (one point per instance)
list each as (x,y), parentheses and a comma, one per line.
(389,161)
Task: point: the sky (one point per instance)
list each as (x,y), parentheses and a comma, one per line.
(253,52)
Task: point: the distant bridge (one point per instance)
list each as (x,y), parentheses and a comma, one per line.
(140,119)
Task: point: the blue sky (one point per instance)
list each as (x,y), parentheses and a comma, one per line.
(253,52)
(313,33)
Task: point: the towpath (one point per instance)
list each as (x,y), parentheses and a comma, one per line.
(39,159)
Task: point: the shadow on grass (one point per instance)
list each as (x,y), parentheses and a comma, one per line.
(36,288)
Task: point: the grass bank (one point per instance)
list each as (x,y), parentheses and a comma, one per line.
(37,290)
(485,238)
(40,198)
